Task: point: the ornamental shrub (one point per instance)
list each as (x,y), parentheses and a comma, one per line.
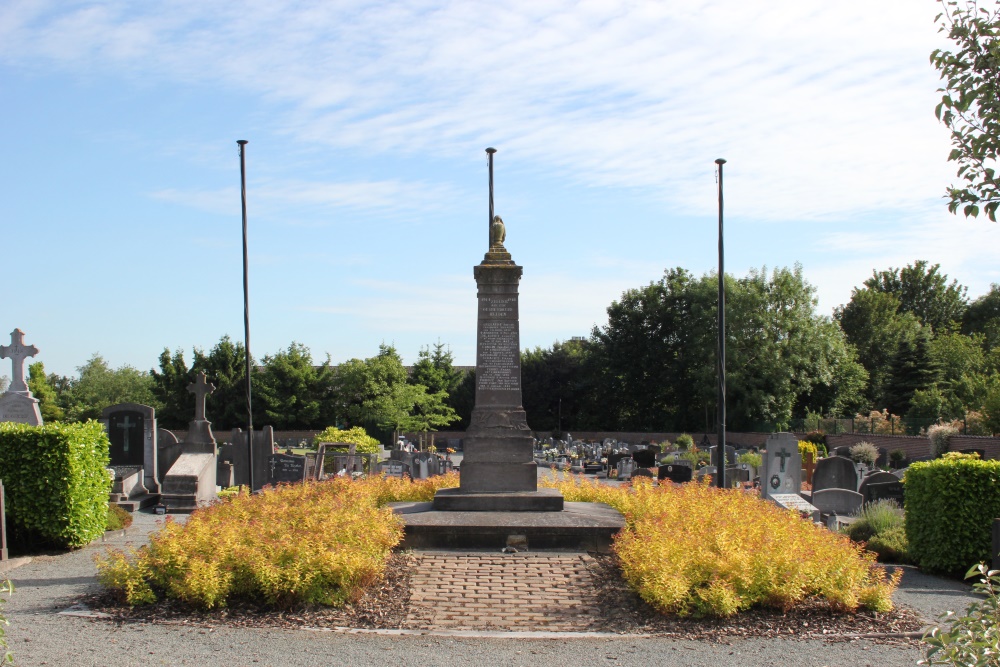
(55,481)
(118,518)
(684,442)
(357,435)
(291,545)
(693,549)
(806,447)
(940,435)
(950,505)
(864,452)
(974,638)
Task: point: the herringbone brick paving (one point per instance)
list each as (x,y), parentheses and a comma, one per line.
(486,591)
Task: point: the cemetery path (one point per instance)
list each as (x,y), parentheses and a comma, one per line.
(40,633)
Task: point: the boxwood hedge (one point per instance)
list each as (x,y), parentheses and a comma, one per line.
(55,481)
(950,506)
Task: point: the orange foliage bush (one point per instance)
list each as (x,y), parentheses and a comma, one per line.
(309,543)
(696,549)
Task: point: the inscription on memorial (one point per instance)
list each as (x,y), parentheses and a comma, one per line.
(499,363)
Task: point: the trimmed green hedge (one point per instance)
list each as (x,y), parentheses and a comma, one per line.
(55,481)
(950,506)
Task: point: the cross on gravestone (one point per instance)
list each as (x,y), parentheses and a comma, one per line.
(782,454)
(200,388)
(126,427)
(17,352)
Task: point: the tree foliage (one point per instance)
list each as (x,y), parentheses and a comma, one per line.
(656,357)
(924,292)
(292,392)
(970,102)
(99,386)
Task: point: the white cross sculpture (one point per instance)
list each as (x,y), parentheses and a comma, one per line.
(17,352)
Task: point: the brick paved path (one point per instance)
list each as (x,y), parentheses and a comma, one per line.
(489,591)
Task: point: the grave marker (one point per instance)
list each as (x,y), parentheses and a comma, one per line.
(782,466)
(17,404)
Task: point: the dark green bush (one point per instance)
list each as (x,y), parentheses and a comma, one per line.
(55,480)
(950,505)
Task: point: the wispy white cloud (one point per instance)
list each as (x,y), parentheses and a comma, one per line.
(275,196)
(822,109)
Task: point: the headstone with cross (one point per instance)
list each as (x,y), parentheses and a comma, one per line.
(132,432)
(199,435)
(17,404)
(782,469)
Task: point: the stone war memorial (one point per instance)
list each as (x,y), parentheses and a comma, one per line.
(498,502)
(17,404)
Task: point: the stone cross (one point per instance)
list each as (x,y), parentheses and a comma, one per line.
(200,388)
(17,352)
(126,426)
(783,454)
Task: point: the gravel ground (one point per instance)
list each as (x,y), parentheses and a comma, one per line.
(47,585)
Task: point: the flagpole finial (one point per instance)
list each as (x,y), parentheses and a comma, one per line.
(720,161)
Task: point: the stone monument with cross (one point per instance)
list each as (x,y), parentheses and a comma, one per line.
(132,433)
(17,404)
(782,468)
(191,481)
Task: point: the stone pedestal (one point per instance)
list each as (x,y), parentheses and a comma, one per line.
(498,447)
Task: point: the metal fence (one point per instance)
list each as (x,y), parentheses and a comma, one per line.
(876,426)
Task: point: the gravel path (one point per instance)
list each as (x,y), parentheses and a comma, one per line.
(39,634)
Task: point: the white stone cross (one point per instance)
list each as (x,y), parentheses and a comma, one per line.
(17,352)
(200,388)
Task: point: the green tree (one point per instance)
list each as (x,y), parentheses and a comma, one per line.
(874,325)
(557,386)
(99,386)
(170,388)
(292,393)
(983,317)
(42,388)
(912,369)
(655,360)
(925,292)
(970,104)
(435,370)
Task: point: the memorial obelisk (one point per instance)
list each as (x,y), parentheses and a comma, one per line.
(498,471)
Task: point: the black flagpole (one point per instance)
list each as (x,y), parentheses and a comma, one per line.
(489,223)
(246,305)
(720,448)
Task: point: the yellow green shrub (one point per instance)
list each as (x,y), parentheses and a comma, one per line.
(309,543)
(696,549)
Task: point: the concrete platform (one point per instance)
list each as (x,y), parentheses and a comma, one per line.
(542,500)
(578,527)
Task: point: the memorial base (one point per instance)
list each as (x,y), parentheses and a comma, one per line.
(455,500)
(578,527)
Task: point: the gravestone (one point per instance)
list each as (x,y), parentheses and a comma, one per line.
(613,460)
(782,466)
(893,490)
(190,482)
(626,467)
(794,501)
(706,470)
(730,455)
(739,474)
(236,452)
(132,432)
(642,472)
(835,472)
(981,452)
(674,473)
(286,468)
(877,477)
(17,404)
(644,458)
(169,448)
(837,501)
(498,470)
(844,451)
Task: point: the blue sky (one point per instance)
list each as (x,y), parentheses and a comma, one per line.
(367,122)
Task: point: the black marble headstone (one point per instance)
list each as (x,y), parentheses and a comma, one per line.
(125,431)
(674,473)
(644,458)
(287,468)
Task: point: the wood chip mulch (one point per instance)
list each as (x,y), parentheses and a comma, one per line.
(385,607)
